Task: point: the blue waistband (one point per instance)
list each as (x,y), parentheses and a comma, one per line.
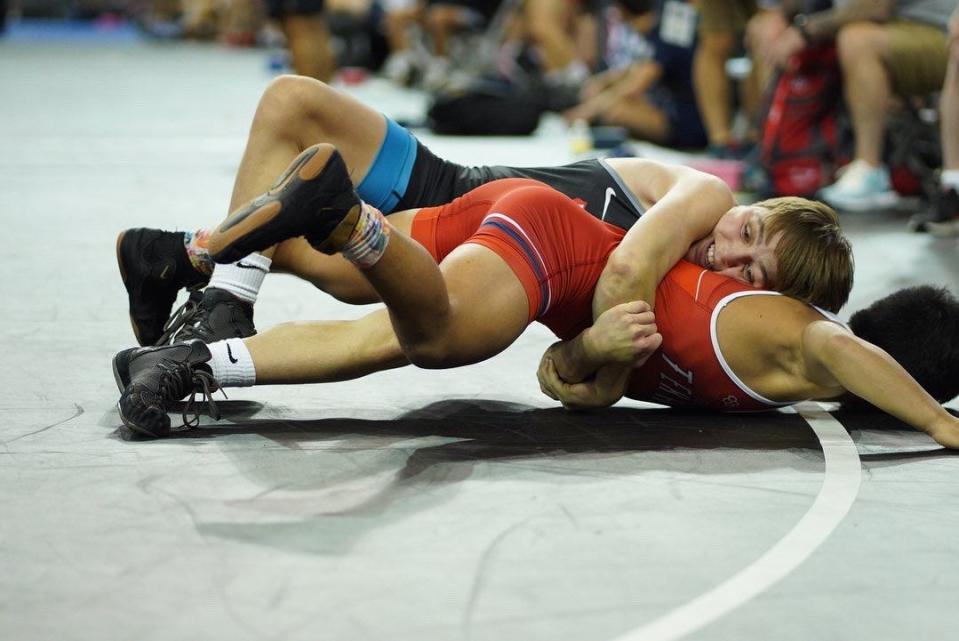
(389,175)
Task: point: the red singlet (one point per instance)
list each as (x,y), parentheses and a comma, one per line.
(556,249)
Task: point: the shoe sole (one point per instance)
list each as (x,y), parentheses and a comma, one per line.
(270,218)
(136,428)
(121,372)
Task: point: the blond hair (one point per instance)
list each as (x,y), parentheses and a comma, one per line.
(815,258)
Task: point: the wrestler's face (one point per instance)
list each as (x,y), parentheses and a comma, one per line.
(739,247)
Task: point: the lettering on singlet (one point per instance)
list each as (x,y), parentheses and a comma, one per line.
(674,390)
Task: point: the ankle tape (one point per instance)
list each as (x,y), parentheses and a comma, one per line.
(369,239)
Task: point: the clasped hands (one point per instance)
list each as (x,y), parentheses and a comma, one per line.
(593,370)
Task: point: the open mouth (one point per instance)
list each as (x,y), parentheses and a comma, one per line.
(711,256)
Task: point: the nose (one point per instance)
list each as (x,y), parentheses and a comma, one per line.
(733,256)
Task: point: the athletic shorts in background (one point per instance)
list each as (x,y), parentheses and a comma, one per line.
(917,57)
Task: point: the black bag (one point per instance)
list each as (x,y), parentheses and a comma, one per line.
(486,106)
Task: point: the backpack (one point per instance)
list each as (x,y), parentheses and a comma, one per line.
(490,105)
(802,140)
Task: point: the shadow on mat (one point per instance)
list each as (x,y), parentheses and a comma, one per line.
(521,429)
(322,498)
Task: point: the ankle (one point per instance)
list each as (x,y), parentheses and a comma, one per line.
(369,239)
(197,253)
(243,278)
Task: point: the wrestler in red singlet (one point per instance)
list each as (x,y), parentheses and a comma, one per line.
(558,250)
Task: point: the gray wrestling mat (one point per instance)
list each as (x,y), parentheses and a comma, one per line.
(413,505)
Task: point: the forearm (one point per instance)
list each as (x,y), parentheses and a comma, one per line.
(573,359)
(687,211)
(871,374)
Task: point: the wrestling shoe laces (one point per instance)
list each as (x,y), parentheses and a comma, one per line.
(177,379)
(153,379)
(211,315)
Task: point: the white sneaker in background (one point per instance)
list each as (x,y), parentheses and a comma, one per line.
(861,187)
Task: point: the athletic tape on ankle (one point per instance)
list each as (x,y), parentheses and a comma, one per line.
(369,239)
(196,250)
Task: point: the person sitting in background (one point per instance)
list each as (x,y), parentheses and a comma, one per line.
(307,36)
(563,32)
(652,98)
(722,25)
(886,48)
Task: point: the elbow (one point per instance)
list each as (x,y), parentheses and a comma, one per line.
(623,273)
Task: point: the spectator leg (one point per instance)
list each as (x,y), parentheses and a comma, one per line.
(867,86)
(309,43)
(713,87)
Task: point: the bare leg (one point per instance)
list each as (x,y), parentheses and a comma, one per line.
(949,102)
(294,113)
(643,119)
(323,352)
(309,43)
(713,91)
(867,86)
(465,311)
(546,22)
(333,274)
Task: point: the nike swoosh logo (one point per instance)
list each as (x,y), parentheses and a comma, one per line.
(243,265)
(229,353)
(610,192)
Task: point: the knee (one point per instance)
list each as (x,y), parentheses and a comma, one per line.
(858,41)
(289,100)
(430,353)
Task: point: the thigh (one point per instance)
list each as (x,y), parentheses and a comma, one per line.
(916,58)
(724,16)
(488,304)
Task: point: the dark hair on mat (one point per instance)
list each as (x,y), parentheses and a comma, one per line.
(919,327)
(637,7)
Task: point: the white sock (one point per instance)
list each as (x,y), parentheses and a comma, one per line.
(949,178)
(232,364)
(242,278)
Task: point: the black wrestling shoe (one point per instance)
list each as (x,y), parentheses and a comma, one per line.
(209,315)
(154,266)
(152,379)
(313,198)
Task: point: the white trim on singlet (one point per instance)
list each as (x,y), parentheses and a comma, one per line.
(714,336)
(627,192)
(699,282)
